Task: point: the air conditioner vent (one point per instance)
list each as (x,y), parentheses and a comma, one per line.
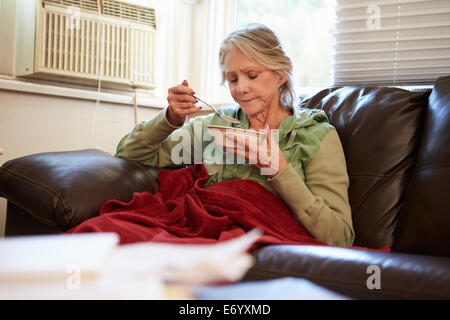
(112,8)
(130,12)
(88,5)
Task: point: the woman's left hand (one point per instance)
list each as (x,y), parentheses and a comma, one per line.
(264,154)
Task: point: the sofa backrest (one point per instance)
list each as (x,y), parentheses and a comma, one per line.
(424,221)
(380,130)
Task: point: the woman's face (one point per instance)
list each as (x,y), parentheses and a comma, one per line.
(253,86)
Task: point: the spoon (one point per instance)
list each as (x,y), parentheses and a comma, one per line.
(221,116)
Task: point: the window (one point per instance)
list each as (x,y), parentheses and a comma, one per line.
(305,28)
(392,42)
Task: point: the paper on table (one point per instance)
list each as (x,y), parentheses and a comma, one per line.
(277,289)
(38,267)
(183,263)
(50,257)
(63,267)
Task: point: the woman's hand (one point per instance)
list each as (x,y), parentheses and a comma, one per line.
(181,103)
(264,155)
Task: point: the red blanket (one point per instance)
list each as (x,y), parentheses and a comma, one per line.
(184,211)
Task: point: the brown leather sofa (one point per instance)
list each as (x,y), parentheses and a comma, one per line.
(397,146)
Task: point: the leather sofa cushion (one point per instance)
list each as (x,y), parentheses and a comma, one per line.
(380,130)
(62,189)
(424,221)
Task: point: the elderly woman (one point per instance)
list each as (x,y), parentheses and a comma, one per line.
(308,168)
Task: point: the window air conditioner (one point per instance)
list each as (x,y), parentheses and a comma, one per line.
(84,41)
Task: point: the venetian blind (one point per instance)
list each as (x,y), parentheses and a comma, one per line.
(391,42)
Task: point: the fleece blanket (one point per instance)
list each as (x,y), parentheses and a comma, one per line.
(185,211)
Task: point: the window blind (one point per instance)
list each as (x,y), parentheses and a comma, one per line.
(391,42)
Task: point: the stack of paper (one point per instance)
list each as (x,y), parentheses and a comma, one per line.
(35,258)
(93,266)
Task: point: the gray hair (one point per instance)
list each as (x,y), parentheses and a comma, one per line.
(261,44)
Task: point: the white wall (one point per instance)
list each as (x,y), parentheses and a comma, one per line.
(32,123)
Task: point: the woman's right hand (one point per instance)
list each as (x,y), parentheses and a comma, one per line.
(181,103)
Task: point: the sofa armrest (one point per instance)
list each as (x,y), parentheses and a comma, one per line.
(348,271)
(62,189)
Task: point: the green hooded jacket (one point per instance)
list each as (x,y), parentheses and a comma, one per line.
(326,215)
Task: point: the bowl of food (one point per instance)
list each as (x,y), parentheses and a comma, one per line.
(237,135)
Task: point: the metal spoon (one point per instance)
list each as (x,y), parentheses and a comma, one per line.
(221,116)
